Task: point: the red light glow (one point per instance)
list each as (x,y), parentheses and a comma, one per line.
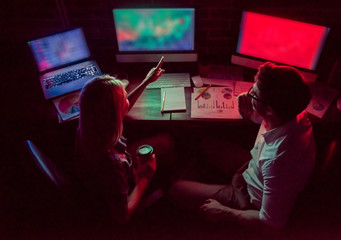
(281,40)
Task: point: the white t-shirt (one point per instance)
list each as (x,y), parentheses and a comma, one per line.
(282,161)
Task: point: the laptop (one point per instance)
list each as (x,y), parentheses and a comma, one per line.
(63,61)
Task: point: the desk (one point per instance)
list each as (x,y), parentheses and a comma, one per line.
(148,107)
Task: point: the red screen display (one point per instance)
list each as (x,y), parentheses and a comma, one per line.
(281,40)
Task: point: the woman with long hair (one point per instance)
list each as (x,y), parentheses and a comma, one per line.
(102,162)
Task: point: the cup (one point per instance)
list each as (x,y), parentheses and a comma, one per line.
(144,153)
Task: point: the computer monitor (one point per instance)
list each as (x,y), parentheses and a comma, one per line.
(146,34)
(280,40)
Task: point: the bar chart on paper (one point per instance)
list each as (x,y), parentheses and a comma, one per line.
(216,102)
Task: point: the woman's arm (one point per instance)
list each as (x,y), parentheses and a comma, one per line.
(135,196)
(143,175)
(152,76)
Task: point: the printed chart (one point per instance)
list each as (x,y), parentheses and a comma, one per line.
(67,106)
(216,102)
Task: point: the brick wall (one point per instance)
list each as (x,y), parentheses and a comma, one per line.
(217,23)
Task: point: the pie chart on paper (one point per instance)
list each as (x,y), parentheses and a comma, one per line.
(69,104)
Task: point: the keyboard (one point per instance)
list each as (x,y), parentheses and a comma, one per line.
(168,80)
(69,76)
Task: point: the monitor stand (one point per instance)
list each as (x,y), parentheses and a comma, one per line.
(155,57)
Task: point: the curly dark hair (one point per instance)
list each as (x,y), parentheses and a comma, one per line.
(283,89)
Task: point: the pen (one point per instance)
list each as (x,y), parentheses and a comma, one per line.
(163,101)
(202,93)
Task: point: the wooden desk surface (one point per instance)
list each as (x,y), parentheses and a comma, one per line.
(148,107)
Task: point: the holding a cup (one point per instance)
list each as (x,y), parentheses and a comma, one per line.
(146,162)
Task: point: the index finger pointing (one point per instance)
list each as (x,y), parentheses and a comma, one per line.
(160,62)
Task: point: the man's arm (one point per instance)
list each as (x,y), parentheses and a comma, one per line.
(250,218)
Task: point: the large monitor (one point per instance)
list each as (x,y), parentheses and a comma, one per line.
(281,40)
(144,35)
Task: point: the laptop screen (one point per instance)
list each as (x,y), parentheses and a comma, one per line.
(59,49)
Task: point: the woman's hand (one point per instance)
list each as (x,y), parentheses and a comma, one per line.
(145,169)
(154,74)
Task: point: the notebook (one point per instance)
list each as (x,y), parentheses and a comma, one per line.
(173,99)
(63,61)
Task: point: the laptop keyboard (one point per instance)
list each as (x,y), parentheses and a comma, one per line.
(72,75)
(172,80)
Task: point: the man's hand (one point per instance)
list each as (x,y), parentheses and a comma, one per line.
(215,211)
(244,105)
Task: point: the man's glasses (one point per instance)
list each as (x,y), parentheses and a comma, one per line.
(253,96)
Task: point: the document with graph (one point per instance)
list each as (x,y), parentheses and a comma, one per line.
(215,102)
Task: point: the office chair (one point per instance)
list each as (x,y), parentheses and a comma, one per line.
(49,167)
(75,200)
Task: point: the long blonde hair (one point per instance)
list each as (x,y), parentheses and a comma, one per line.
(102,102)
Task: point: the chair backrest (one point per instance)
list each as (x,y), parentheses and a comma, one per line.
(48,167)
(74,197)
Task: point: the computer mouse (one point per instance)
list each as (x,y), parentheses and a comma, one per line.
(197,81)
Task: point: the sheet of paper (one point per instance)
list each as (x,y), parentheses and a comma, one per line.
(322,97)
(67,106)
(216,102)
(173,99)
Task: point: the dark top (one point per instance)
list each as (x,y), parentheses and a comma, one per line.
(107,177)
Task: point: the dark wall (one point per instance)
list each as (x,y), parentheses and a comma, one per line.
(217,30)
(217,23)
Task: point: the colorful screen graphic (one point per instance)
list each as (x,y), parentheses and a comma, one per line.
(59,49)
(154,29)
(281,40)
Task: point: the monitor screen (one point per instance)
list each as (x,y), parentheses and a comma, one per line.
(59,49)
(281,40)
(155,30)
